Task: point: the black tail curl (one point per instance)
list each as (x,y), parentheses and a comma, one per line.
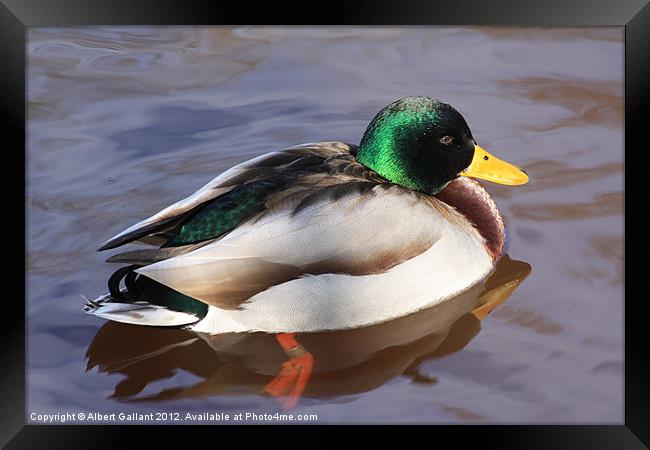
(133,291)
(139,288)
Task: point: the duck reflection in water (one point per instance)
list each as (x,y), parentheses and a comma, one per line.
(314,365)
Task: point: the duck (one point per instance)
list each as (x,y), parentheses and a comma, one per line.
(321,236)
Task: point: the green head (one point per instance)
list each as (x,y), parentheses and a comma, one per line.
(419,143)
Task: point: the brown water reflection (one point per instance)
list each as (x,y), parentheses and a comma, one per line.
(345,362)
(603,205)
(595,103)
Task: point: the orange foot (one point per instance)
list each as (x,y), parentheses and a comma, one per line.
(295,373)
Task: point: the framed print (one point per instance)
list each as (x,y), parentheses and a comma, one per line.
(373,215)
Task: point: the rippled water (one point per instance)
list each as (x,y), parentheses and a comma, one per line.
(124,121)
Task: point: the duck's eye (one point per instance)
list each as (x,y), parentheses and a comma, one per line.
(446,140)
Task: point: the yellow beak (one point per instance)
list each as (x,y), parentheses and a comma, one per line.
(488,167)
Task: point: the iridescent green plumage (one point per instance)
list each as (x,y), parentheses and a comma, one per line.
(402,144)
(159,294)
(226,212)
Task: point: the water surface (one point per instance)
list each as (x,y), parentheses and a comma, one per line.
(124,121)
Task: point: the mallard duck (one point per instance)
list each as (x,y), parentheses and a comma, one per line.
(321,236)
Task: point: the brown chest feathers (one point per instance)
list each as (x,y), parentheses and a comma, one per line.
(473,201)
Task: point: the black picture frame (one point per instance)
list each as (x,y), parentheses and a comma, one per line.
(17,15)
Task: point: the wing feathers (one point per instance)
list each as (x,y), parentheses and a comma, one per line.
(325,237)
(151,255)
(140,232)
